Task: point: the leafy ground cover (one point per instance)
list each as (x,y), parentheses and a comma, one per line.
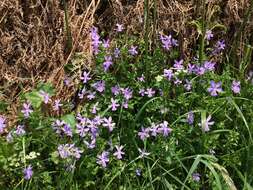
(143,118)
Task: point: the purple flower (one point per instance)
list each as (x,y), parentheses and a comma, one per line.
(76,152)
(94,31)
(99,86)
(80,118)
(177,81)
(168,73)
(141,79)
(150,92)
(191,68)
(59,123)
(119,28)
(95,40)
(63,151)
(154,130)
(208,65)
(91,95)
(164,129)
(94,108)
(209,35)
(236,87)
(27,109)
(67,130)
(207,123)
(98,120)
(142,92)
(125,104)
(68,150)
(119,153)
(174,42)
(144,133)
(107,63)
(45,96)
(57,126)
(57,105)
(127,92)
(190,118)
(93,128)
(219,47)
(188,85)
(133,50)
(2,124)
(115,90)
(200,70)
(179,64)
(215,88)
(116,52)
(103,159)
(81,130)
(168,42)
(143,153)
(109,124)
(82,93)
(92,144)
(114,104)
(106,43)
(20,130)
(28,172)
(66,81)
(85,78)
(196,177)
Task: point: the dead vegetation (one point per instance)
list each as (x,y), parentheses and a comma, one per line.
(33,35)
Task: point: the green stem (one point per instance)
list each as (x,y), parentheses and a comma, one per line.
(23,144)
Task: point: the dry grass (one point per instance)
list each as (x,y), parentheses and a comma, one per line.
(33,45)
(33,37)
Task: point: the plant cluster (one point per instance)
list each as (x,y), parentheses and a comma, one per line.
(141,120)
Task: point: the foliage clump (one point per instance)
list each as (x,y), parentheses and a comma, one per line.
(141,119)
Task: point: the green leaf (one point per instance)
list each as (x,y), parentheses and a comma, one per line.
(231,101)
(203,119)
(198,26)
(69,119)
(225,176)
(35,98)
(144,107)
(217,25)
(167,184)
(55,157)
(46,87)
(192,169)
(215,174)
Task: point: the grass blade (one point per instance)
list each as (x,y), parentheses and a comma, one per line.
(192,169)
